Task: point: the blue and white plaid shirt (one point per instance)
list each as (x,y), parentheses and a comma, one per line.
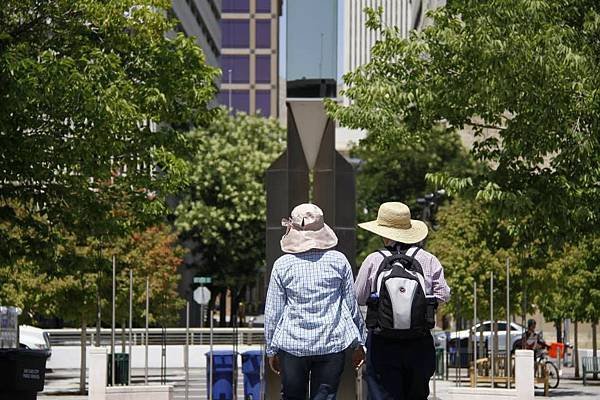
(311,307)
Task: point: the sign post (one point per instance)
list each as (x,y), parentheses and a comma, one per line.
(203,298)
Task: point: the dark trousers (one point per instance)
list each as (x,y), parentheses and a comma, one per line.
(324,373)
(399,369)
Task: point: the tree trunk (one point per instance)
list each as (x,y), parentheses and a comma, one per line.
(98,318)
(482,350)
(558,326)
(123,336)
(594,344)
(223,308)
(233,318)
(576,350)
(495,348)
(83,367)
(211,306)
(471,342)
(236,297)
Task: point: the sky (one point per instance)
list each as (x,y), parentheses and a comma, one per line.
(308,41)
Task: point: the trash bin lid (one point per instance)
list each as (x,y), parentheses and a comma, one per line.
(252,353)
(222,353)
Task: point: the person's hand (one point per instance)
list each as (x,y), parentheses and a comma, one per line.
(274,364)
(358,357)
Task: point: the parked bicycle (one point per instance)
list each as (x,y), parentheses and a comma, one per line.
(546,371)
(547,368)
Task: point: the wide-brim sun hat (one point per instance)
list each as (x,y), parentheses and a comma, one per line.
(306,230)
(393,222)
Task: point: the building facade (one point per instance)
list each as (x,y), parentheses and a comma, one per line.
(249,56)
(358,39)
(406,15)
(200,18)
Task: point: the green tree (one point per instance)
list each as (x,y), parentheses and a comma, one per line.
(154,253)
(397,173)
(224,211)
(93,93)
(94,98)
(471,246)
(521,77)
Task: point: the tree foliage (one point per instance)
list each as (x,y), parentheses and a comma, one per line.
(46,290)
(471,248)
(572,278)
(92,96)
(154,254)
(397,173)
(224,211)
(522,78)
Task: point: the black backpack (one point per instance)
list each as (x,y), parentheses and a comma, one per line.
(398,306)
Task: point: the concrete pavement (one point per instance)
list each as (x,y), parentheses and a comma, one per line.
(63,384)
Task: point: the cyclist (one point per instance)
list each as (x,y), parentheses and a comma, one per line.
(533,340)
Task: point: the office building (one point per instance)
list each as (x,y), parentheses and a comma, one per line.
(406,15)
(200,18)
(249,56)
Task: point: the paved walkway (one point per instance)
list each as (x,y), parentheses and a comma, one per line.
(62,385)
(569,387)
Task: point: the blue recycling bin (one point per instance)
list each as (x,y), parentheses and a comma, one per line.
(251,365)
(224,367)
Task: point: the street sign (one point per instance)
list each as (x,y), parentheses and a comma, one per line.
(202,295)
(203,280)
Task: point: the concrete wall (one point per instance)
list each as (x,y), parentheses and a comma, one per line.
(139,393)
(68,357)
(99,391)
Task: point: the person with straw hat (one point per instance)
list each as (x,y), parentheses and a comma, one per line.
(400,362)
(311,313)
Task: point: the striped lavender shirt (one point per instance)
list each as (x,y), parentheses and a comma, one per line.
(432,269)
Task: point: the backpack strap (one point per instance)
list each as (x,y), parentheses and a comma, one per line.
(414,253)
(388,256)
(417,249)
(379,269)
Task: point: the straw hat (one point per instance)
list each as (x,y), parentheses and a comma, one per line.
(307,230)
(393,222)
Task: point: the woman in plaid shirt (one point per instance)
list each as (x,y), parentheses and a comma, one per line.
(311,314)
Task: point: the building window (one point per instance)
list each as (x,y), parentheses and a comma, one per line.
(239,66)
(263,6)
(263,33)
(240,99)
(235,33)
(236,6)
(263,69)
(263,102)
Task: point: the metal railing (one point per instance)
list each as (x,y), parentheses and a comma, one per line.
(172,336)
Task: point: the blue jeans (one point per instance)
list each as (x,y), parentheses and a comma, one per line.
(324,372)
(399,369)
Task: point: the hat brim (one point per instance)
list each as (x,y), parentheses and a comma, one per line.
(416,233)
(297,241)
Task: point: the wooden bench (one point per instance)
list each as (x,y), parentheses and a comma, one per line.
(591,365)
(482,373)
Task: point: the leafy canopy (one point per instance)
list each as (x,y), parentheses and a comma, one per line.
(224,210)
(397,173)
(521,78)
(92,96)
